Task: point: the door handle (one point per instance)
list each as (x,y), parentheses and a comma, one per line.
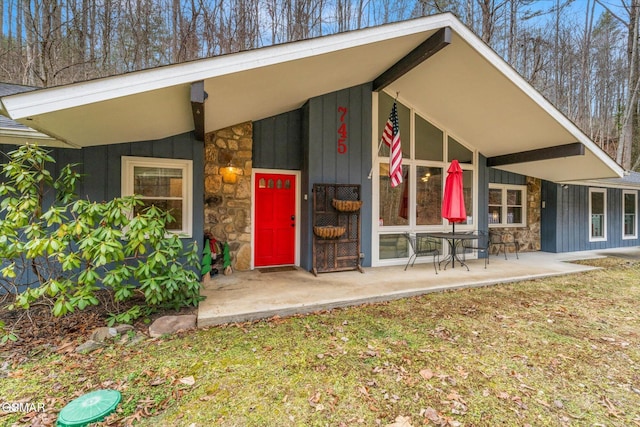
(293,217)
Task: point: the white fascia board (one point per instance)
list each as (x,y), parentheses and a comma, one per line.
(603,184)
(58,98)
(505,68)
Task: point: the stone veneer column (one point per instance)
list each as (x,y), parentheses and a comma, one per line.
(227,207)
(529,237)
(530,240)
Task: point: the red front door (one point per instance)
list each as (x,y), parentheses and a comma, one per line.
(275,220)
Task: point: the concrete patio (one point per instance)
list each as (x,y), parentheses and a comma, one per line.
(252,295)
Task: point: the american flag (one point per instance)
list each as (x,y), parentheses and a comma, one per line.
(391,137)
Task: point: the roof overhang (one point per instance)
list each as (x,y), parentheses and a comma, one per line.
(465,88)
(13,136)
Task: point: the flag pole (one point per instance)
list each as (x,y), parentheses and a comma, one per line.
(375,159)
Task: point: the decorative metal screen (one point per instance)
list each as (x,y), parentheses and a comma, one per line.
(336,239)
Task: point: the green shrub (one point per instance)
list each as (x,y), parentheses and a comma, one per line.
(73,247)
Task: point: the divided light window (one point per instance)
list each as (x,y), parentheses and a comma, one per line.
(415,205)
(165,183)
(629,220)
(507,205)
(598,214)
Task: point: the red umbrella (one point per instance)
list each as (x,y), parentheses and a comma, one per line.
(453,204)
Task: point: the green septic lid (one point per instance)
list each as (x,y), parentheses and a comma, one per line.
(89,408)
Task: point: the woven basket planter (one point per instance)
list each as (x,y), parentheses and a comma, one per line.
(347,205)
(329,231)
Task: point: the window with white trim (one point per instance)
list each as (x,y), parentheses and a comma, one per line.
(629,214)
(415,205)
(597,214)
(165,183)
(507,205)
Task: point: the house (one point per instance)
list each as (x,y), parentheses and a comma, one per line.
(238,145)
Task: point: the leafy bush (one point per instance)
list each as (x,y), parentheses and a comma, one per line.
(67,248)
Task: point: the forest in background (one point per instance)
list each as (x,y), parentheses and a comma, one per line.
(582,55)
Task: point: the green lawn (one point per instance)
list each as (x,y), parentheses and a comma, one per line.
(554,352)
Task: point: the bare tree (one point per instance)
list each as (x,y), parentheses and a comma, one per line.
(629,114)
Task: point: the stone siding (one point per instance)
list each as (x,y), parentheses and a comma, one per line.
(227,206)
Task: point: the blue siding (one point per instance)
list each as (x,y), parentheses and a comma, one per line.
(277,142)
(548,217)
(322,163)
(497,176)
(565,219)
(483,196)
(101,168)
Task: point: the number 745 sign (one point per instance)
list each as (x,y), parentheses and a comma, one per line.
(342,131)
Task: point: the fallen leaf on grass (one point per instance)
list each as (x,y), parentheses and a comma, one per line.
(430,414)
(427,374)
(613,411)
(363,390)
(156,381)
(401,422)
(313,400)
(464,374)
(543,403)
(503,395)
(188,380)
(66,347)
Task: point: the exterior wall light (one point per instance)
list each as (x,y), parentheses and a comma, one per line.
(230,173)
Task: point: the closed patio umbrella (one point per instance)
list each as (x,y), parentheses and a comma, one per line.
(453,207)
(453,203)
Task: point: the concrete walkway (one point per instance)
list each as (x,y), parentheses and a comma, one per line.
(251,295)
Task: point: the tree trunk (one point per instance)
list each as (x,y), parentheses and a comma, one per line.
(629,121)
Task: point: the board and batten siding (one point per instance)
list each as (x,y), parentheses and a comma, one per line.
(277,142)
(565,219)
(101,166)
(484,173)
(323,164)
(497,176)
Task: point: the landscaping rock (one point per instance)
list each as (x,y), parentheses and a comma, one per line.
(89,346)
(121,329)
(171,324)
(101,334)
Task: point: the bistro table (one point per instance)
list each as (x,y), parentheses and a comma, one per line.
(453,239)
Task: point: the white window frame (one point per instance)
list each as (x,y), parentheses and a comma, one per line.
(503,205)
(127,184)
(604,217)
(378,230)
(635,214)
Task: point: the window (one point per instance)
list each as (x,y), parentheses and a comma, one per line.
(629,221)
(507,205)
(165,183)
(415,205)
(598,217)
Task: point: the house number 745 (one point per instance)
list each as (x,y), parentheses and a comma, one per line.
(342,131)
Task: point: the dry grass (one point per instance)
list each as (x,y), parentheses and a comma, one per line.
(554,352)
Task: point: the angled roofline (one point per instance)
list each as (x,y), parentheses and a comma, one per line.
(21,106)
(507,69)
(24,105)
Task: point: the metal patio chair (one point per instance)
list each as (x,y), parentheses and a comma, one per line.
(479,245)
(422,246)
(503,239)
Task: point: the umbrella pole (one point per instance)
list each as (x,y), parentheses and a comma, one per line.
(453,248)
